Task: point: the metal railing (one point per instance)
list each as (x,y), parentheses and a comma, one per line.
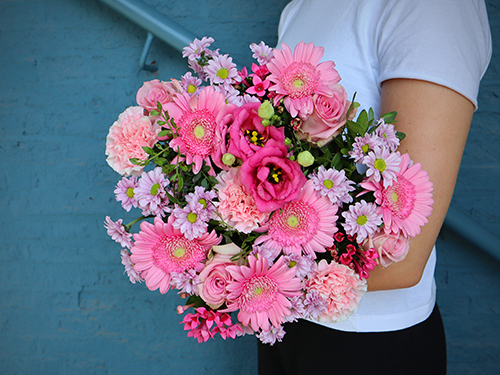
(159,25)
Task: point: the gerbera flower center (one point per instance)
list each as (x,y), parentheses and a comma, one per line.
(191,217)
(255,137)
(293,221)
(380,164)
(400,198)
(222,73)
(328,183)
(177,254)
(154,189)
(300,79)
(258,294)
(197,130)
(130,192)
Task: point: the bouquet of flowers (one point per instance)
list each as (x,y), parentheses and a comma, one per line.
(263,201)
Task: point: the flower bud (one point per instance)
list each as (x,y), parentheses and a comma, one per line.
(228,159)
(305,159)
(288,141)
(266,110)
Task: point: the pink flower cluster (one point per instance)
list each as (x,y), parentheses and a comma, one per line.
(260,195)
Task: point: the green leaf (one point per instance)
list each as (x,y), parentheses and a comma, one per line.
(136,161)
(371,115)
(164,133)
(390,117)
(154,113)
(337,161)
(148,150)
(344,151)
(400,135)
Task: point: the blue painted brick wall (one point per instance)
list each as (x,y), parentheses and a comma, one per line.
(68,67)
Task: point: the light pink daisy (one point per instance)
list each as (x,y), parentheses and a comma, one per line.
(297,310)
(116,230)
(132,274)
(185,282)
(299,75)
(191,84)
(332,184)
(314,304)
(160,249)
(200,122)
(363,145)
(151,193)
(205,198)
(361,219)
(262,293)
(191,220)
(303,264)
(271,336)
(261,52)
(197,47)
(304,225)
(406,204)
(221,70)
(124,192)
(382,165)
(387,134)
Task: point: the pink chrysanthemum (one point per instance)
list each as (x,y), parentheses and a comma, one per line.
(198,120)
(262,293)
(191,220)
(340,286)
(236,207)
(361,220)
(363,145)
(197,47)
(382,165)
(151,193)
(124,192)
(304,225)
(117,232)
(333,184)
(261,52)
(205,198)
(132,274)
(185,282)
(270,337)
(303,264)
(299,75)
(222,70)
(297,310)
(387,134)
(160,249)
(406,204)
(314,304)
(191,84)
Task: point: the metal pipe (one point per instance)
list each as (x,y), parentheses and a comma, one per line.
(473,232)
(145,52)
(153,21)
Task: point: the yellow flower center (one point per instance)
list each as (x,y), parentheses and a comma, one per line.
(361,220)
(191,89)
(203,202)
(365,148)
(328,184)
(199,131)
(298,83)
(394,197)
(380,165)
(130,192)
(179,252)
(155,188)
(293,221)
(192,217)
(292,264)
(222,73)
(258,290)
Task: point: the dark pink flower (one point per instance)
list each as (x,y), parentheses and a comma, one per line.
(271,177)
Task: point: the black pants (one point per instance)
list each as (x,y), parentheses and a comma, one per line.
(309,348)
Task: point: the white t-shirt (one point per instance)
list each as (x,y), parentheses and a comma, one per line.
(447,42)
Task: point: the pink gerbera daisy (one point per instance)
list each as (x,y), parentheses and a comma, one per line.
(199,120)
(160,249)
(262,293)
(406,204)
(299,75)
(306,224)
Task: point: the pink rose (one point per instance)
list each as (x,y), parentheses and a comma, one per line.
(248,135)
(214,277)
(271,178)
(156,91)
(390,247)
(126,139)
(328,117)
(340,287)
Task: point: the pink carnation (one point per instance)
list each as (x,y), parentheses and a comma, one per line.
(153,92)
(340,286)
(391,248)
(236,207)
(328,117)
(126,139)
(248,135)
(271,177)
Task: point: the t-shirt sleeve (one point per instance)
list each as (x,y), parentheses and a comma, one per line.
(447,42)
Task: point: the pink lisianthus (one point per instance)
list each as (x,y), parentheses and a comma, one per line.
(271,177)
(202,125)
(406,204)
(390,247)
(340,286)
(215,277)
(153,92)
(236,206)
(248,135)
(126,139)
(328,117)
(299,75)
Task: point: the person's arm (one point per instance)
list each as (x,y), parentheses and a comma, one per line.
(436,121)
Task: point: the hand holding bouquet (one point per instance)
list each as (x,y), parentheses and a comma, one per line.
(264,197)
